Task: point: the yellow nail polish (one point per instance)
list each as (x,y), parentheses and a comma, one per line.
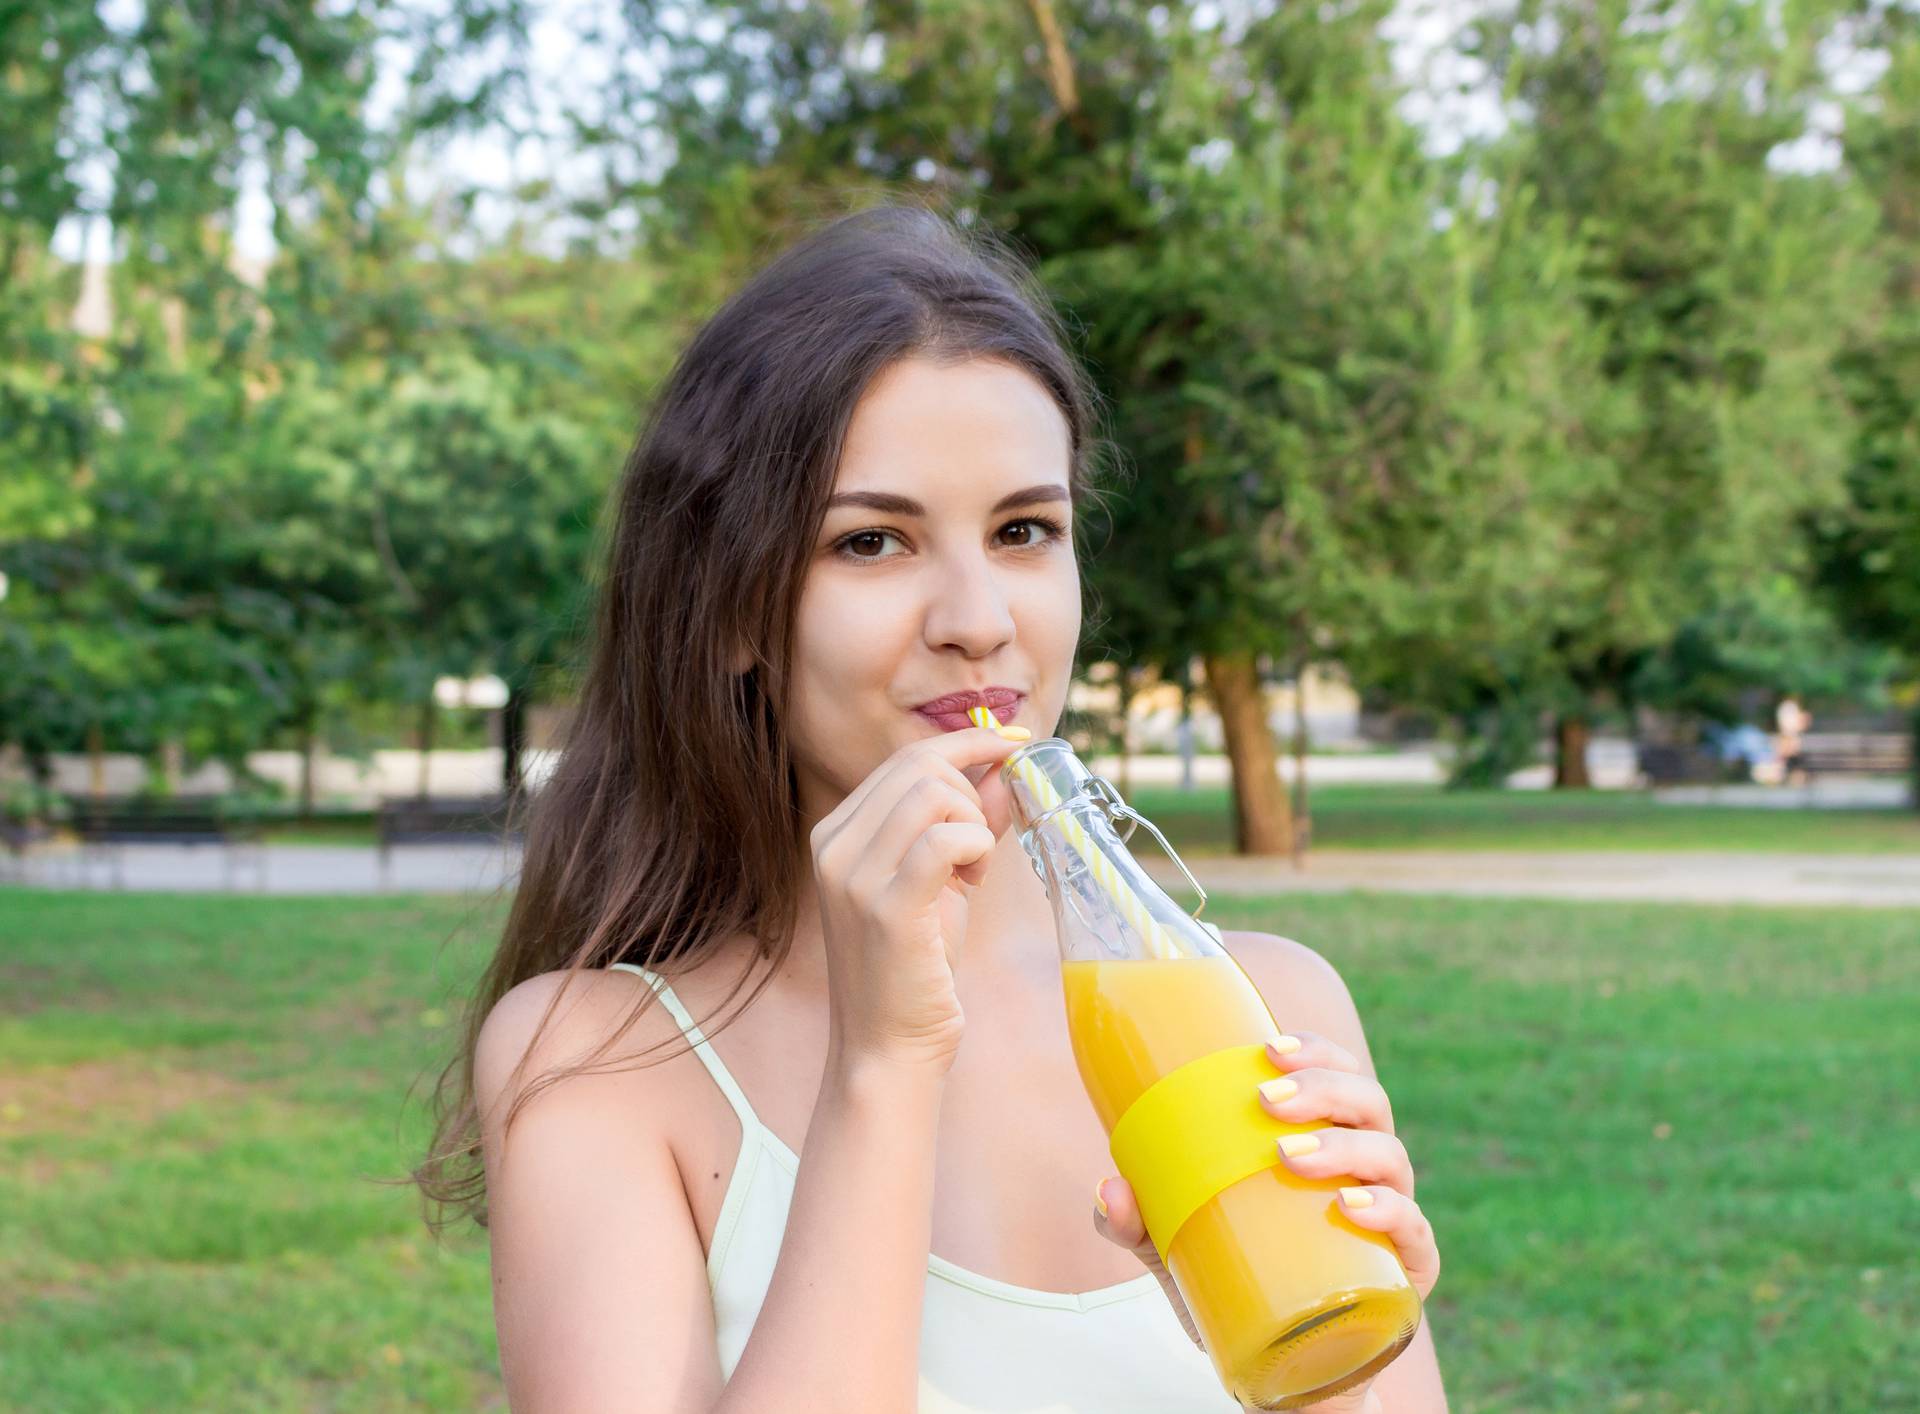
(1015,733)
(1356,1197)
(1282,1087)
(1284,1045)
(1294,1145)
(1098,1201)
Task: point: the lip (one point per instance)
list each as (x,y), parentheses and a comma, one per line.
(949,713)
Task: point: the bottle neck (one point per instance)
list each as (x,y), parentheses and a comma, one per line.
(1105,905)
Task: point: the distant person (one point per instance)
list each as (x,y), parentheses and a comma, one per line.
(1791,721)
(1749,746)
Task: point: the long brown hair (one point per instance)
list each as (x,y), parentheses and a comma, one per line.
(671,822)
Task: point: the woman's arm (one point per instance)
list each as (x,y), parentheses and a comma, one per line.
(600,1286)
(840,1329)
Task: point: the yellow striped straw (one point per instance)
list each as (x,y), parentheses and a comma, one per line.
(1108,877)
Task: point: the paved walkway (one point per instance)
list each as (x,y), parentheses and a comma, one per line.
(1868,880)
(1885,880)
(276,869)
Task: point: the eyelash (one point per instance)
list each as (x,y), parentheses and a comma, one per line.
(1055,531)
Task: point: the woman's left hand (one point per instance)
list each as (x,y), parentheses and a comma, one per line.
(1326,1084)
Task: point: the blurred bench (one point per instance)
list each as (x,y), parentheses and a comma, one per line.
(17,837)
(106,824)
(441,820)
(1855,754)
(1686,763)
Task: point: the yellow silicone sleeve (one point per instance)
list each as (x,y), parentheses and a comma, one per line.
(1195,1131)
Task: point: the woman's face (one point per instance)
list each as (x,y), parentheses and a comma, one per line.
(956,573)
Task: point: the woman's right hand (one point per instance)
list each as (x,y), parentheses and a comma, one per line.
(893,864)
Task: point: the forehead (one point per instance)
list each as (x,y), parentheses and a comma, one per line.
(980,423)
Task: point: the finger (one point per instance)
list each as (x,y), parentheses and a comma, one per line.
(980,764)
(1380,1209)
(1121,1224)
(889,778)
(995,796)
(1295,1050)
(1363,1155)
(941,755)
(974,746)
(928,801)
(1337,1096)
(941,851)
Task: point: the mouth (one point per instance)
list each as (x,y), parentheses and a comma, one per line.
(949,713)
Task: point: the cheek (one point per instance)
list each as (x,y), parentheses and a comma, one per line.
(847,638)
(847,649)
(1055,638)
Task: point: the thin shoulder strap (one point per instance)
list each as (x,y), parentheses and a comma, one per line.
(708,1056)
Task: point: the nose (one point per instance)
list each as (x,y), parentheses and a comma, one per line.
(969,610)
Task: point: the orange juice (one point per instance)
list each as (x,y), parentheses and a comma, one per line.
(1293,1300)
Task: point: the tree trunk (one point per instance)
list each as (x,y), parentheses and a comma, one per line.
(309,740)
(1186,732)
(1915,763)
(1302,817)
(1262,823)
(1570,754)
(513,739)
(427,711)
(97,760)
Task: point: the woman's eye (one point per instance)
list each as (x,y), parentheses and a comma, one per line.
(858,545)
(1053,528)
(865,537)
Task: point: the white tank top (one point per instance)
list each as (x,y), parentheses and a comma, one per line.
(986,1346)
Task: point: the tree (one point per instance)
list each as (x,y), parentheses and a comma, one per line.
(1236,217)
(479,500)
(1724,288)
(1869,546)
(150,606)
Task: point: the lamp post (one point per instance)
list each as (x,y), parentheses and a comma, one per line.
(487,692)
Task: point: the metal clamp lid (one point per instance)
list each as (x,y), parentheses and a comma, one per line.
(1107,797)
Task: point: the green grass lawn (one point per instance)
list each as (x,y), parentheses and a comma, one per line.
(1426,817)
(1672,1153)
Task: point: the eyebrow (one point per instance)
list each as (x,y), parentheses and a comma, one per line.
(891,504)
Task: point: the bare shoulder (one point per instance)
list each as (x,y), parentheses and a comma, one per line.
(1301,988)
(591,1231)
(554,1019)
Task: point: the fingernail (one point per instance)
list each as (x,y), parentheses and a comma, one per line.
(1015,733)
(1098,1201)
(1356,1197)
(1294,1145)
(1280,1088)
(1283,1045)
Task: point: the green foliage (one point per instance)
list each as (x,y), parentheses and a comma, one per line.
(1721,288)
(1768,638)
(1560,423)
(1492,744)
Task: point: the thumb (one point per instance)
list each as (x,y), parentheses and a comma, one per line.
(1121,1223)
(996,801)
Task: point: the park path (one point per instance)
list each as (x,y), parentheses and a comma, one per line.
(1884,880)
(1689,876)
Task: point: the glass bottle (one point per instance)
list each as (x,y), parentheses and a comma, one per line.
(1294,1301)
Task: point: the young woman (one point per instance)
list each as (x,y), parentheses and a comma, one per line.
(865,1188)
